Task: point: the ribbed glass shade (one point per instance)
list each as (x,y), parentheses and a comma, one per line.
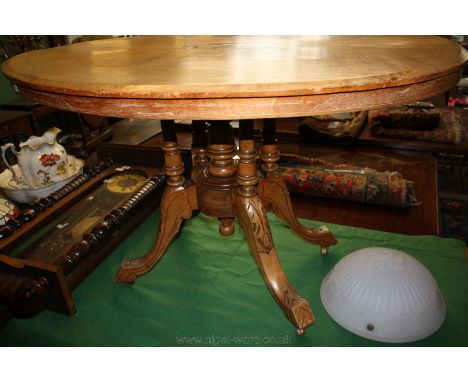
(383,294)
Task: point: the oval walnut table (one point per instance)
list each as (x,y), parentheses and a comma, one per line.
(213,80)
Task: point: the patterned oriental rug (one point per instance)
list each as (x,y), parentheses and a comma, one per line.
(316,177)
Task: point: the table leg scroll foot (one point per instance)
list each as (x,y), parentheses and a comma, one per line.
(253,219)
(274,193)
(177,204)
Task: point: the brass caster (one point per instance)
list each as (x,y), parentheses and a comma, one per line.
(299,332)
(324,251)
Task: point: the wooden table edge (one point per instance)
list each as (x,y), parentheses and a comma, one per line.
(246,107)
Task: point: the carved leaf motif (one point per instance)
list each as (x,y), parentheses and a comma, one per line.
(261,230)
(304,317)
(291,298)
(299,309)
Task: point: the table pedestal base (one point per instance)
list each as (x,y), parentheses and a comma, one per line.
(216,191)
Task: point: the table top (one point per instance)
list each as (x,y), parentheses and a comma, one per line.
(234,77)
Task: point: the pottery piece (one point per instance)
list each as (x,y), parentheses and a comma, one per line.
(42,160)
(21,193)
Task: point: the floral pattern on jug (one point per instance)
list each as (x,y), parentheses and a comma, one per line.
(45,177)
(41,159)
(49,160)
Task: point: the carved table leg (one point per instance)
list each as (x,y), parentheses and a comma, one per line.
(253,220)
(275,194)
(177,204)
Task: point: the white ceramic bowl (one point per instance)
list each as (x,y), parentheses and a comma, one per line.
(21,193)
(383,294)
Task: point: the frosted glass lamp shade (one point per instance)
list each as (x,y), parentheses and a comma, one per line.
(383,294)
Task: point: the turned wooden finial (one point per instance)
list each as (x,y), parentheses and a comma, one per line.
(226,228)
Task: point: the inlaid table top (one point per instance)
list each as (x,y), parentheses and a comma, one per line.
(236,77)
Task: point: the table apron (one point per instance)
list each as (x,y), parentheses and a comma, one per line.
(244,108)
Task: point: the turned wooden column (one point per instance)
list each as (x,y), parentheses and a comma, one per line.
(270,153)
(221,149)
(217,182)
(247,176)
(173,165)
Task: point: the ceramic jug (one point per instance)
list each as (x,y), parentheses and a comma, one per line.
(42,160)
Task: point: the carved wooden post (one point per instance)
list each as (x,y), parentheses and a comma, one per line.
(270,153)
(173,165)
(221,151)
(247,177)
